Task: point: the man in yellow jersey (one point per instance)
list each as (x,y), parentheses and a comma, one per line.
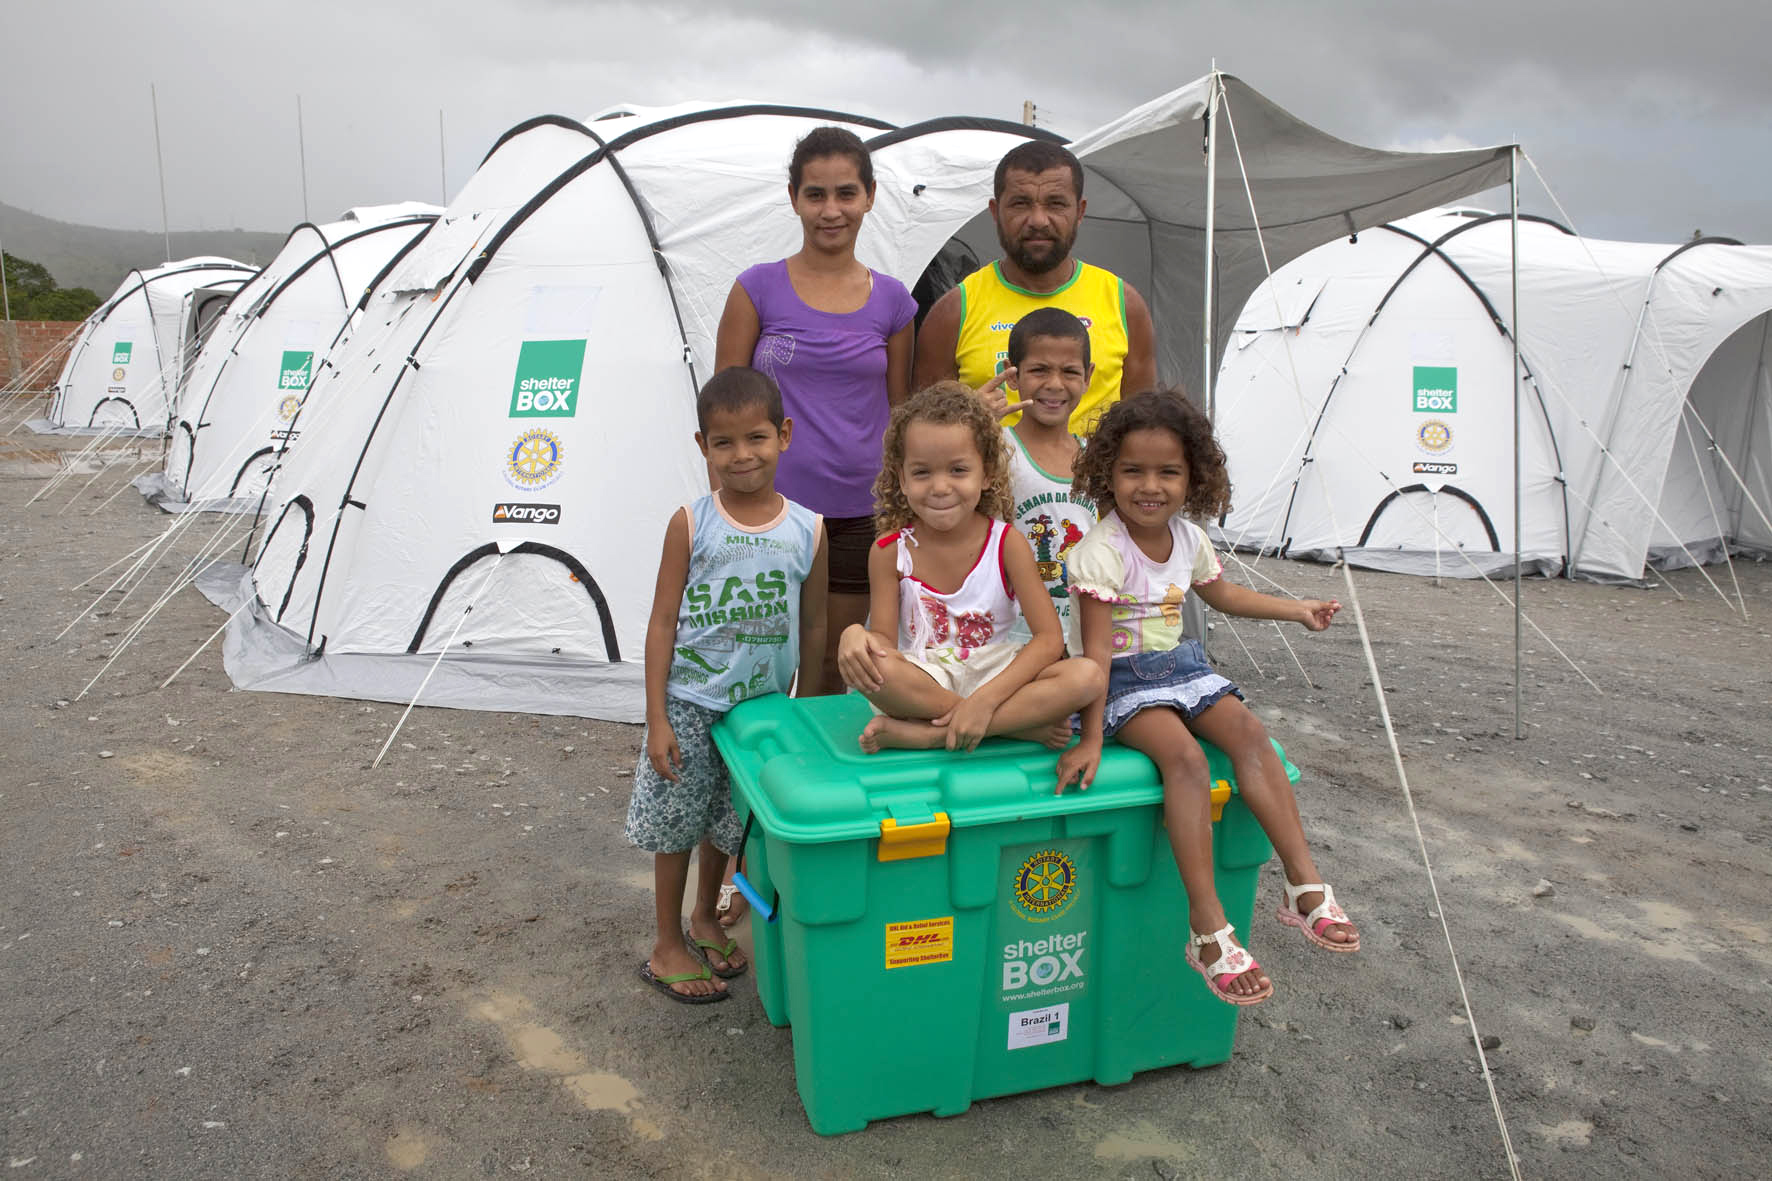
(1038,206)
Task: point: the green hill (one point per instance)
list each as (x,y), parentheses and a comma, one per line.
(90,256)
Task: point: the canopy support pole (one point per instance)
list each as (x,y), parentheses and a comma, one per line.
(1513,201)
(1208,390)
(301,146)
(160,164)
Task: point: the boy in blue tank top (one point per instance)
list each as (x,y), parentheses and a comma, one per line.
(738,610)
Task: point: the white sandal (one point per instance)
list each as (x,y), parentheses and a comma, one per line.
(1231,963)
(1326,913)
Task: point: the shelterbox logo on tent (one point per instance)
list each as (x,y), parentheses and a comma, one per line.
(1436,389)
(295,371)
(547,379)
(120,352)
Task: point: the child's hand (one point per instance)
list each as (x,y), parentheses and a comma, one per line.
(966,723)
(858,659)
(1318,613)
(994,398)
(662,750)
(1080,764)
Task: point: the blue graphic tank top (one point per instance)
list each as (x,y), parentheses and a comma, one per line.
(738,626)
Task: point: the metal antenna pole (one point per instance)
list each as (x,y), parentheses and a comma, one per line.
(1513,195)
(160,163)
(14,362)
(5,295)
(442,160)
(301,143)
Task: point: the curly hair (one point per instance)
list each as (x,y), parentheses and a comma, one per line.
(943,403)
(1209,483)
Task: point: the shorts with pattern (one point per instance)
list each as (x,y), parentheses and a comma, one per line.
(961,673)
(666,817)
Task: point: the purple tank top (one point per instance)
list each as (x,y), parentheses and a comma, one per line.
(831,368)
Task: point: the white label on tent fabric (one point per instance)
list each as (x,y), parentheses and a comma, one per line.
(1432,348)
(302,335)
(559,313)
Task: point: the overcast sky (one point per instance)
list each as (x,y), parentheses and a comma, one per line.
(1649,120)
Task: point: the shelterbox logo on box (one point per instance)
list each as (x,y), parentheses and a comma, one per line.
(1436,389)
(547,379)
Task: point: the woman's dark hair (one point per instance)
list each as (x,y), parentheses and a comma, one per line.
(1209,483)
(830,141)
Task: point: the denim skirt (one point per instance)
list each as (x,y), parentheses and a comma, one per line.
(1179,679)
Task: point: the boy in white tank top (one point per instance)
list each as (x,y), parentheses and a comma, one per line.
(1050,368)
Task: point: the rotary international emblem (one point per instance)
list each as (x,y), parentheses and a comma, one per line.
(533,461)
(1045,885)
(1434,436)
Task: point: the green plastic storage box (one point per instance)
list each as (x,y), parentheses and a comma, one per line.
(949,929)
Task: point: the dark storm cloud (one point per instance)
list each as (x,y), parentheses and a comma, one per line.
(1647,119)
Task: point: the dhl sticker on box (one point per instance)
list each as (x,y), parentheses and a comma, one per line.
(924,941)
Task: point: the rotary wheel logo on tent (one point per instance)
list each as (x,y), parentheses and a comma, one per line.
(119,373)
(533,461)
(287,407)
(1045,885)
(1433,436)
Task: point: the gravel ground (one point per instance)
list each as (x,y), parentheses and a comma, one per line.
(229,949)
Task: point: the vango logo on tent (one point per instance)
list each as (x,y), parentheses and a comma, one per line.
(546,385)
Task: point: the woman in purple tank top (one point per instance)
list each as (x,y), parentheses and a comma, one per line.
(836,337)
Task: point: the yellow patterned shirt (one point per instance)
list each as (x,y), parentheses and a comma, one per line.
(990,305)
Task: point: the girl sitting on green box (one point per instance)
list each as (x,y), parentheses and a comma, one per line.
(1152,464)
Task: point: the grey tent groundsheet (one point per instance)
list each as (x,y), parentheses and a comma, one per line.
(43,426)
(261,655)
(158,491)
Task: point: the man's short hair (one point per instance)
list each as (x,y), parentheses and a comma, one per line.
(1048,321)
(1038,155)
(738,388)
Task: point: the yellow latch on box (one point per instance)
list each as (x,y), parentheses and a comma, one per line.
(901,842)
(1221,795)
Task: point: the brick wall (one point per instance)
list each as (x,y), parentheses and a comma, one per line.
(23,343)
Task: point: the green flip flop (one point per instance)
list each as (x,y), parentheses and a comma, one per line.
(724,951)
(663,984)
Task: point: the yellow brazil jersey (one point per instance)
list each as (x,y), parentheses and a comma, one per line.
(990,305)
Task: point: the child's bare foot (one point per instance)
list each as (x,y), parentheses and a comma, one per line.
(1053,736)
(672,958)
(884,733)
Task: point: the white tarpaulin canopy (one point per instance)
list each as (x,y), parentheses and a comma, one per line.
(596,258)
(1373,415)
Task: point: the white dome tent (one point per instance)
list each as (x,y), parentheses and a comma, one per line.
(1644,399)
(121,372)
(429,508)
(239,396)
